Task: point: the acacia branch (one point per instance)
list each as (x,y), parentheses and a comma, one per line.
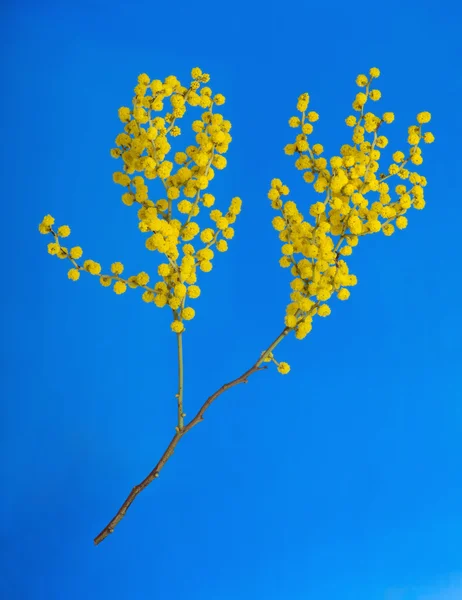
(180,433)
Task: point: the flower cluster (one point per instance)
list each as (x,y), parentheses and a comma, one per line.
(169,222)
(315,249)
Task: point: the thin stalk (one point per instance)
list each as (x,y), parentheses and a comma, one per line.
(179,337)
(180,433)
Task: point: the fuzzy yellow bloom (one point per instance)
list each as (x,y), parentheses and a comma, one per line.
(361,80)
(194,291)
(324,310)
(177,326)
(142,278)
(64,231)
(388,117)
(117,268)
(283,368)
(92,267)
(424,117)
(119,287)
(374,72)
(73,274)
(76,252)
(222,245)
(105,280)
(343,294)
(188,313)
(401,222)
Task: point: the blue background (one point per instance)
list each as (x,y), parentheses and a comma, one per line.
(340,480)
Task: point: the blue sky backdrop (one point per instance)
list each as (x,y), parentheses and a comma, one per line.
(341,480)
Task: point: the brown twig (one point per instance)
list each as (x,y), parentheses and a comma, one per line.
(179,434)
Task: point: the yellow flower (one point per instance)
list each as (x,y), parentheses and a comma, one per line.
(388,229)
(343,294)
(194,291)
(388,117)
(117,268)
(64,231)
(119,287)
(401,222)
(177,326)
(283,368)
(188,313)
(92,267)
(374,72)
(424,117)
(76,252)
(142,278)
(324,310)
(73,274)
(290,321)
(105,280)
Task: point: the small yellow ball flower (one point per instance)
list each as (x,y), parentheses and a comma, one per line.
(350,121)
(48,220)
(324,310)
(117,268)
(343,294)
(388,229)
(375,95)
(64,231)
(142,278)
(312,116)
(105,280)
(119,287)
(174,303)
(290,321)
(428,137)
(401,222)
(318,149)
(76,252)
(283,368)
(424,117)
(206,266)
(164,270)
(53,248)
(374,72)
(222,223)
(398,157)
(188,313)
(177,326)
(194,291)
(73,274)
(361,80)
(179,290)
(388,117)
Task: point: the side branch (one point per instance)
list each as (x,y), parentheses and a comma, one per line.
(177,437)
